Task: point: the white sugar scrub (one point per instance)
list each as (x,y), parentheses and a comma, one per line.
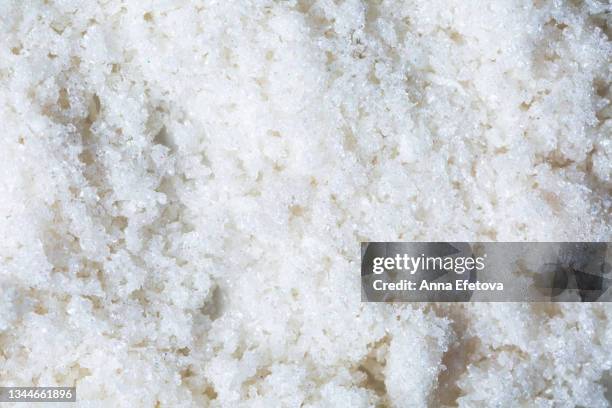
(184,186)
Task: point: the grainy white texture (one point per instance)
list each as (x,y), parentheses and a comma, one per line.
(184,185)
